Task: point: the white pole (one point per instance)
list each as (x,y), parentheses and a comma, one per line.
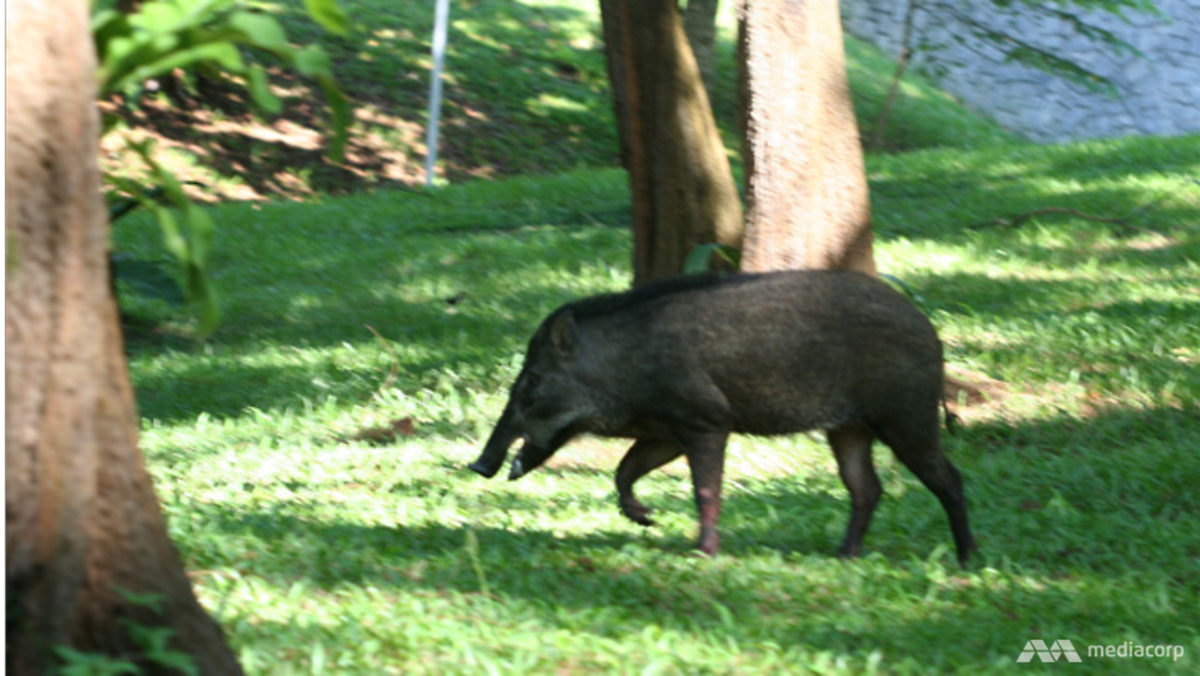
(441,19)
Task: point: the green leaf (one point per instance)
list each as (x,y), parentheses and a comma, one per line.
(190,245)
(260,30)
(101,6)
(164,35)
(118,207)
(260,90)
(77,663)
(174,659)
(104,19)
(204,303)
(329,15)
(200,292)
(200,232)
(699,258)
(159,18)
(131,62)
(313,62)
(172,237)
(224,53)
(899,285)
(147,278)
(154,643)
(120,49)
(342,116)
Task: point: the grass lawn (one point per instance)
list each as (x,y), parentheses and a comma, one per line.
(311,455)
(313,473)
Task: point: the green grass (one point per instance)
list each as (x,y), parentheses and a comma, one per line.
(324,553)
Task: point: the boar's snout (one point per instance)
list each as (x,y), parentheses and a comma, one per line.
(488,470)
(496,449)
(492,458)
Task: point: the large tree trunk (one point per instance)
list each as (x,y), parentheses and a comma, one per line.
(82,521)
(683,189)
(806,187)
(700,24)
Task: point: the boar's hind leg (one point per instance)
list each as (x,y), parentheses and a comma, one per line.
(927,461)
(852,447)
(645,456)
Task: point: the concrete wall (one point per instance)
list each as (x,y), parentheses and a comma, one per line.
(1160,92)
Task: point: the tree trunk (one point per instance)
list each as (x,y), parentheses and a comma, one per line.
(82,521)
(700,24)
(682,187)
(806,187)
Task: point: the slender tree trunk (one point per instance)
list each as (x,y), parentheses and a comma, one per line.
(683,189)
(700,24)
(806,187)
(82,521)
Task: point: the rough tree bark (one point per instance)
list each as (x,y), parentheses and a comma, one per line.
(82,520)
(806,186)
(683,189)
(700,24)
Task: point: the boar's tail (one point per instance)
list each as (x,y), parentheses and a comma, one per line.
(951,418)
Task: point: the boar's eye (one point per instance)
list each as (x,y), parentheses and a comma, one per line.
(529,391)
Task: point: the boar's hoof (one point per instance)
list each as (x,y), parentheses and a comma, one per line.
(636,512)
(710,542)
(847,553)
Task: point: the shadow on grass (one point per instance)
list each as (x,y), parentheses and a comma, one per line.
(302,334)
(973,193)
(287,547)
(980,294)
(1129,466)
(220,390)
(225,385)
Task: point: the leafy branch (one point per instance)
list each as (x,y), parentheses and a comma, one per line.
(160,37)
(189,241)
(210,35)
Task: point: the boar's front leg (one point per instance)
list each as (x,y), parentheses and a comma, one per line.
(645,456)
(706,456)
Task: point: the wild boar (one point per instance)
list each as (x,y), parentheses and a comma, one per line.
(680,364)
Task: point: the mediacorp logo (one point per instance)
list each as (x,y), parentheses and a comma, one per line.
(1063,650)
(1060,648)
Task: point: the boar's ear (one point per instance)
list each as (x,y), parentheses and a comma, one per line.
(563,336)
